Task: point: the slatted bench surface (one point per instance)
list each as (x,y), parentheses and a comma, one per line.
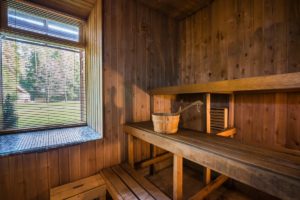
(272,171)
(87,188)
(125,183)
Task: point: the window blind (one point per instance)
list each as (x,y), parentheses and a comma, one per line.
(43,86)
(33,22)
(42,69)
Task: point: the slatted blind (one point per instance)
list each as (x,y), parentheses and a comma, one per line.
(42,81)
(39,24)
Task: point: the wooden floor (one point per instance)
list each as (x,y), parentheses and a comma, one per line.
(192,184)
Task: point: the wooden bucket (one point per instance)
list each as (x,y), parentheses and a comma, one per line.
(168,122)
(165,122)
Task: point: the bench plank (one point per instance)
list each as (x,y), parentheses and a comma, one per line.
(115,186)
(140,192)
(82,187)
(147,185)
(274,172)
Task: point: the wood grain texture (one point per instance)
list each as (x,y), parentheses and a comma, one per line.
(237,39)
(177,177)
(178,9)
(135,58)
(274,172)
(78,8)
(281,82)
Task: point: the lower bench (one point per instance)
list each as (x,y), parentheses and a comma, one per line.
(123,182)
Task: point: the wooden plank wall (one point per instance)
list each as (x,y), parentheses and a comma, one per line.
(243,38)
(138,53)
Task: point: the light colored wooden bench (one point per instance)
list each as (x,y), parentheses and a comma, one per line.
(123,182)
(89,188)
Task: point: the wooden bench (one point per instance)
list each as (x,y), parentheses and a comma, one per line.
(123,182)
(89,188)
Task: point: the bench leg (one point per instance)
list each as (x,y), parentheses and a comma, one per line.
(177,177)
(130,151)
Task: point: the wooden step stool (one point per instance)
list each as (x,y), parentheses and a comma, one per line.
(89,188)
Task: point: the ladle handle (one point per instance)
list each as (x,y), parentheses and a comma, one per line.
(189,106)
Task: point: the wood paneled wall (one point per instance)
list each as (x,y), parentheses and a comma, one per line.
(243,38)
(138,53)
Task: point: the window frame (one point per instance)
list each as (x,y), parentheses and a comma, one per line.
(56,16)
(83,103)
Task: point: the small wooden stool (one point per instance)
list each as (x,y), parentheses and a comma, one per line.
(89,188)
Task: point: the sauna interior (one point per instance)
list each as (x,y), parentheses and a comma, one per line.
(150,99)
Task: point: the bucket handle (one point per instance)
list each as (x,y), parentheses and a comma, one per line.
(198,103)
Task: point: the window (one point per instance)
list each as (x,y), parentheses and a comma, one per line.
(42,86)
(25,21)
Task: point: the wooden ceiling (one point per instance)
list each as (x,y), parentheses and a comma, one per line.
(178,9)
(77,8)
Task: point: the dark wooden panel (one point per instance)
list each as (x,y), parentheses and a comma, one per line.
(237,39)
(177,8)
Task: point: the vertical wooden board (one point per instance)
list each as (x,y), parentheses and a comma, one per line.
(257,127)
(5,179)
(181,50)
(258,41)
(30,175)
(87,159)
(231,104)
(268,38)
(145,107)
(208,107)
(99,154)
(177,177)
(197,23)
(114,87)
(293,125)
(187,70)
(74,162)
(130,62)
(238,116)
(247,117)
(64,168)
(16,177)
(43,191)
(107,24)
(268,131)
(121,79)
(92,158)
(53,172)
(293,31)
(280,119)
(280,35)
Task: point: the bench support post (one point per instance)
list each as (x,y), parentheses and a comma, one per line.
(130,151)
(207,171)
(177,177)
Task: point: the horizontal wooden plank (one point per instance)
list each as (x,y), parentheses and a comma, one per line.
(116,188)
(153,190)
(286,81)
(277,173)
(152,161)
(136,188)
(77,187)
